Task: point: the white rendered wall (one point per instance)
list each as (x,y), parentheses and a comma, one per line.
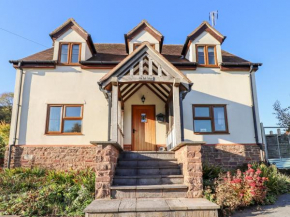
(151,99)
(212,86)
(141,37)
(63,85)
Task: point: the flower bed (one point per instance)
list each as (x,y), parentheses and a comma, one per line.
(258,184)
(41,192)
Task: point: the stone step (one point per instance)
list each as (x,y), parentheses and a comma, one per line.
(148,180)
(150,207)
(149,191)
(147,163)
(134,171)
(147,155)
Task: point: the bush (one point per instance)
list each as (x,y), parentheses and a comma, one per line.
(4,137)
(40,192)
(239,190)
(259,184)
(277,182)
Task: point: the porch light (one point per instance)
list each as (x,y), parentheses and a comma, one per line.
(143,99)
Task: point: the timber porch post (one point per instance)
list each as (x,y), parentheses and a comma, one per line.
(176,112)
(114,110)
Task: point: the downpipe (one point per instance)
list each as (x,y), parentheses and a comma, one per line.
(17,116)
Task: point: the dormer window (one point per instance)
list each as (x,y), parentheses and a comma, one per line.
(70,53)
(206,55)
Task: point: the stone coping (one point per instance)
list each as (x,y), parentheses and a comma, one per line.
(189,143)
(105,143)
(149,205)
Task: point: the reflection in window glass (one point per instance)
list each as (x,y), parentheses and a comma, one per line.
(75,53)
(64,53)
(211,57)
(73,111)
(219,119)
(200,51)
(72,126)
(202,126)
(201,112)
(54,119)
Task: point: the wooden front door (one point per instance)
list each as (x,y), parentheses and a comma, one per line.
(143,127)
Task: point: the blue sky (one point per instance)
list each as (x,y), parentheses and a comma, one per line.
(256,30)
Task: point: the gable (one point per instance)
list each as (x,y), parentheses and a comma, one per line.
(145,61)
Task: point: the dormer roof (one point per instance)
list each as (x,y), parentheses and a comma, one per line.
(204,27)
(144,26)
(72,24)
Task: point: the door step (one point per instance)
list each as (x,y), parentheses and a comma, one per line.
(150,207)
(149,191)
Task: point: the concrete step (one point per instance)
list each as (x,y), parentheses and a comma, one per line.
(149,191)
(147,163)
(148,180)
(152,207)
(147,155)
(135,171)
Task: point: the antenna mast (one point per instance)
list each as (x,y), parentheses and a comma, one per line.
(213,16)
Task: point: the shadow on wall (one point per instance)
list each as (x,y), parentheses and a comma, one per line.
(227,150)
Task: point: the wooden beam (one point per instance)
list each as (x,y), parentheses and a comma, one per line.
(150,88)
(157,88)
(134,91)
(165,89)
(130,89)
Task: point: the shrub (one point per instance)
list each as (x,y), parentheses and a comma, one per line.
(239,190)
(277,182)
(40,192)
(4,137)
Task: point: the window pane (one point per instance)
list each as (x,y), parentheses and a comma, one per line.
(219,119)
(211,57)
(201,111)
(54,119)
(73,111)
(72,126)
(75,54)
(202,126)
(200,51)
(64,53)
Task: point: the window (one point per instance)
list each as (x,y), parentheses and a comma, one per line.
(210,119)
(206,55)
(64,119)
(136,45)
(69,53)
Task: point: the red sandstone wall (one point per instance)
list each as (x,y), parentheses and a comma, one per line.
(53,157)
(230,155)
(189,158)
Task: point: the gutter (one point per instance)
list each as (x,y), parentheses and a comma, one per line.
(108,96)
(240,64)
(117,62)
(32,61)
(17,115)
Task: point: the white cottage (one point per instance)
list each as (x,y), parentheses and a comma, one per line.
(143,95)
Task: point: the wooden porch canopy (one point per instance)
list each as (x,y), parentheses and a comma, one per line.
(145,66)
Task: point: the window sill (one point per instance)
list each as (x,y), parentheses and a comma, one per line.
(63,134)
(208,66)
(218,133)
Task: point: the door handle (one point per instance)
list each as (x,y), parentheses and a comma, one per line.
(134,130)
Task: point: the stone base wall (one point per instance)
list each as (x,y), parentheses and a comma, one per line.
(189,157)
(230,156)
(53,157)
(106,158)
